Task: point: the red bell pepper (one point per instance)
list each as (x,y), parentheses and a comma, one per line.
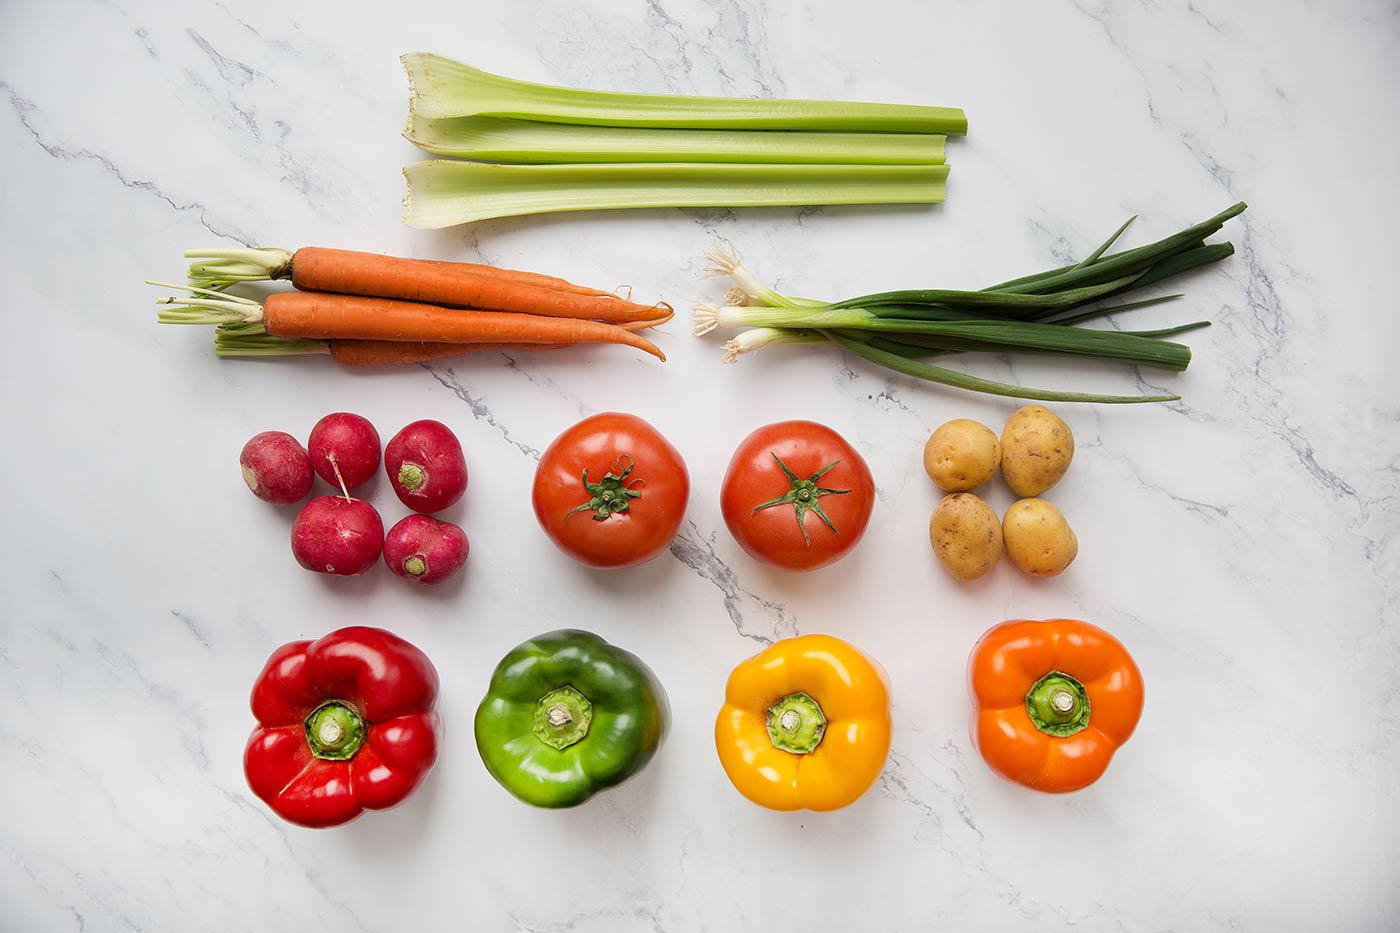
(345,723)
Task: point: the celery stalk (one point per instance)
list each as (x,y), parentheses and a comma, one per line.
(493,139)
(442,192)
(442,87)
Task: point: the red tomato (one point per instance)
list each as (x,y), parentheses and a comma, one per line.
(611,491)
(796,495)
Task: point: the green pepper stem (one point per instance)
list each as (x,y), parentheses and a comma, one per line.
(335,731)
(1058,704)
(562,717)
(796,724)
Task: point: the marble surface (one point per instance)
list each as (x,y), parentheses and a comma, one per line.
(1242,543)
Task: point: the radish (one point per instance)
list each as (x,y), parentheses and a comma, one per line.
(276,467)
(337,534)
(426,466)
(347,441)
(425,549)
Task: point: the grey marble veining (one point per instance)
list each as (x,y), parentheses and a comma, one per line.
(1244,542)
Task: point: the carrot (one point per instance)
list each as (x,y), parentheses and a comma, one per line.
(395,352)
(217,268)
(253,340)
(320,316)
(550,282)
(352,273)
(635,326)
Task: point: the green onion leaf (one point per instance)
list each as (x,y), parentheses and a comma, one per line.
(949,377)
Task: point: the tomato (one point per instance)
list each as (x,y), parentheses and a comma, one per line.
(611,491)
(796,495)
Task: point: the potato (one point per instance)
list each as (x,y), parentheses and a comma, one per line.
(1036,448)
(1038,539)
(965,535)
(962,455)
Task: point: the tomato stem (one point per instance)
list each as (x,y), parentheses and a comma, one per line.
(611,493)
(805,496)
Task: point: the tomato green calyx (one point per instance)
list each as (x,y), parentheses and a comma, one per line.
(796,724)
(805,496)
(611,493)
(335,731)
(562,717)
(1058,704)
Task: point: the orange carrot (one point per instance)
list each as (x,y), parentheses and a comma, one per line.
(643,325)
(396,352)
(524,278)
(331,317)
(353,273)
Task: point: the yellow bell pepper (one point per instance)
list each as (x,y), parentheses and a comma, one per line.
(805,724)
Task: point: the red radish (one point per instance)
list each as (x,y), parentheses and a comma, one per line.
(347,441)
(337,534)
(424,549)
(426,466)
(276,467)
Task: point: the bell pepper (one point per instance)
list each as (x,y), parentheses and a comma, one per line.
(345,723)
(567,715)
(1052,701)
(805,724)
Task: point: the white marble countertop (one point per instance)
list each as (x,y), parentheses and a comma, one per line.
(1242,543)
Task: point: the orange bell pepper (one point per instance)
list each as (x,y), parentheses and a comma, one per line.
(805,724)
(1052,701)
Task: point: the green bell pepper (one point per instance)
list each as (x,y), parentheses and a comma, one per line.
(568,715)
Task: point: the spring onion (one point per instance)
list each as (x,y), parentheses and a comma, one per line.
(442,192)
(1031,314)
(441,87)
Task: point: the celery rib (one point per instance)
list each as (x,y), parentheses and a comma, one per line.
(441,87)
(493,139)
(442,193)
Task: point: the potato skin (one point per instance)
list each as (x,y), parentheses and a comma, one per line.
(1036,450)
(1038,539)
(962,455)
(965,535)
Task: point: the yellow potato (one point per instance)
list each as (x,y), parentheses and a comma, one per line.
(962,455)
(1038,539)
(1036,449)
(965,535)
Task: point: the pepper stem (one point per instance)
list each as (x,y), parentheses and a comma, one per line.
(562,717)
(335,731)
(796,724)
(1058,704)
